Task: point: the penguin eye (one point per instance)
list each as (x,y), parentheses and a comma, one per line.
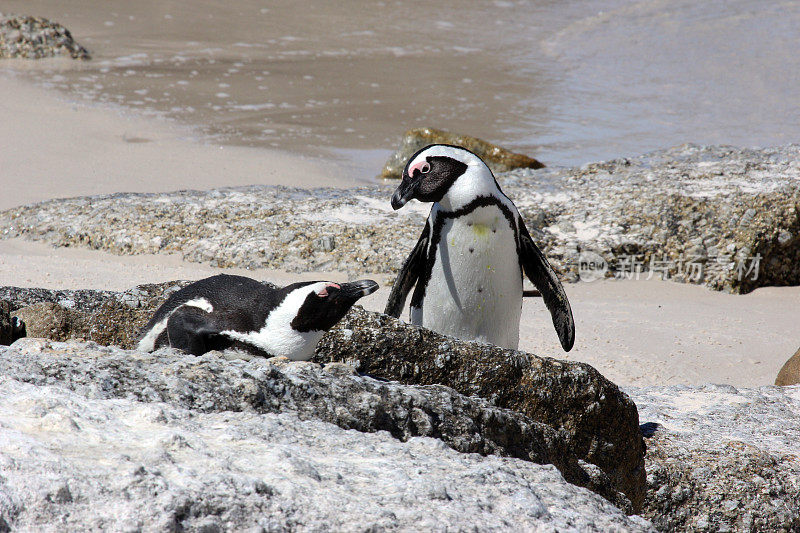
(330,286)
(425,168)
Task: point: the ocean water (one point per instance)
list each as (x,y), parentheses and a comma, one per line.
(566,81)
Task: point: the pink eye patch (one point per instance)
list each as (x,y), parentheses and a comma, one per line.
(324,292)
(423,166)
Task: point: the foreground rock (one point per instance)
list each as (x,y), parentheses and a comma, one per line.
(102,438)
(721,458)
(720,216)
(499,159)
(35,38)
(601,422)
(790,372)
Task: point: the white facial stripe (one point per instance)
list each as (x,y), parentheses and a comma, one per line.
(148,342)
(277,336)
(459,154)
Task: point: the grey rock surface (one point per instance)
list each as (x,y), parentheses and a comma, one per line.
(498,158)
(722,458)
(600,421)
(35,38)
(720,216)
(101,438)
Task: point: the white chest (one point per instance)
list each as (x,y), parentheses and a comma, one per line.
(475,288)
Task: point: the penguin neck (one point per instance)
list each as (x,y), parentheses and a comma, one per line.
(476,182)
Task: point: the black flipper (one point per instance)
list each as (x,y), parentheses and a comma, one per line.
(190,329)
(409,274)
(545,279)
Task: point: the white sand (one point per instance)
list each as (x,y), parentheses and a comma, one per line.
(50,147)
(634,332)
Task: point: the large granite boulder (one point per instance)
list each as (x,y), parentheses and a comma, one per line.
(718,216)
(35,38)
(103,438)
(789,373)
(722,458)
(499,159)
(601,422)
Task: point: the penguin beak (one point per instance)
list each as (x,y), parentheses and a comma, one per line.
(405,192)
(358,289)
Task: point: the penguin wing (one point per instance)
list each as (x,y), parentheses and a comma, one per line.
(539,271)
(409,273)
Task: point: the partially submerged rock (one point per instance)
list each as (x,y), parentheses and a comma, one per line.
(35,38)
(120,440)
(499,159)
(789,373)
(722,458)
(718,216)
(601,422)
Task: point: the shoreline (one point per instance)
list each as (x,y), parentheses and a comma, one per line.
(60,148)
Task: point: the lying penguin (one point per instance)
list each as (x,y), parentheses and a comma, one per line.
(468,263)
(226,311)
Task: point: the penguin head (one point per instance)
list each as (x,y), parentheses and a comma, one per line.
(321,304)
(444,173)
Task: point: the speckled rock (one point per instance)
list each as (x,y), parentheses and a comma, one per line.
(499,159)
(713,215)
(35,38)
(111,439)
(105,317)
(601,422)
(722,458)
(789,373)
(49,320)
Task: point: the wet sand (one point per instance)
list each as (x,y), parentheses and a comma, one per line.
(53,148)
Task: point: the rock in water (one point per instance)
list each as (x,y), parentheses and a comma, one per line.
(35,38)
(722,458)
(790,372)
(102,438)
(601,422)
(499,159)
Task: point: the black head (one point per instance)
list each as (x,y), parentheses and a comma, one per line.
(430,172)
(328,302)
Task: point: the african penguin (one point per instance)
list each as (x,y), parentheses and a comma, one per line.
(469,261)
(226,311)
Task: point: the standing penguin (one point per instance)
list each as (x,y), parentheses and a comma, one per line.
(469,261)
(226,311)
